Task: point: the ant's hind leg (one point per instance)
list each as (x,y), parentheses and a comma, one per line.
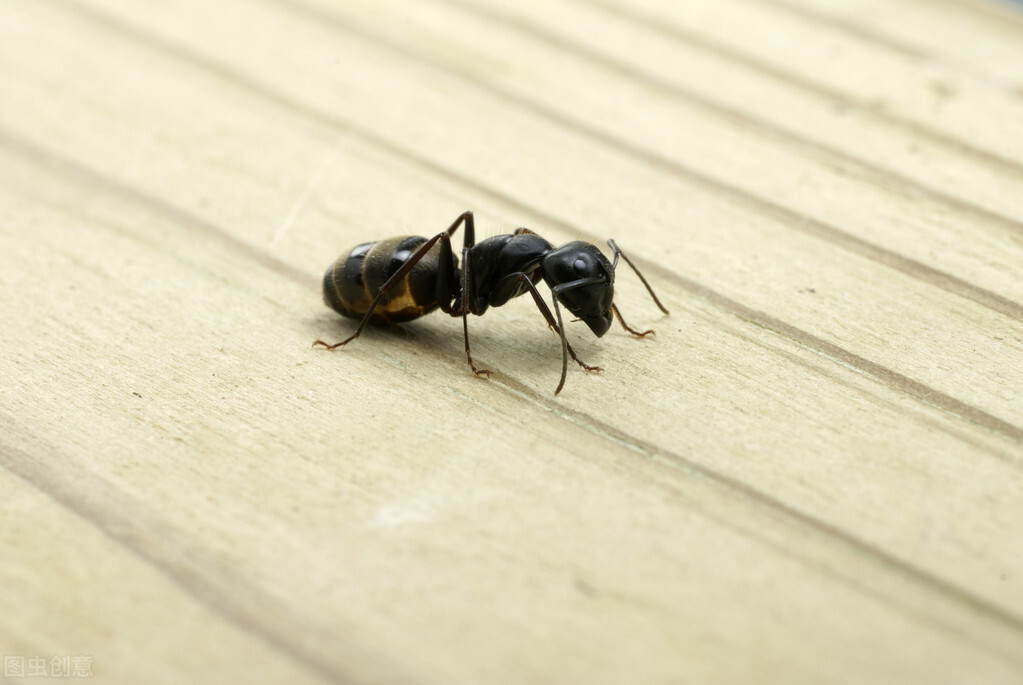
(329,346)
(386,325)
(353,336)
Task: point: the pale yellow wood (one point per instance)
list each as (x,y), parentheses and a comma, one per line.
(811,474)
(979,36)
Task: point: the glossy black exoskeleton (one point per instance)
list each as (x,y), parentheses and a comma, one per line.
(403,278)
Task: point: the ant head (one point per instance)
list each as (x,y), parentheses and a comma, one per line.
(583,281)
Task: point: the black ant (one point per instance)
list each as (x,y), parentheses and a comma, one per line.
(399,279)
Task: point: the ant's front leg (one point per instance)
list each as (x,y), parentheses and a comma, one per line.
(554,325)
(617,251)
(638,334)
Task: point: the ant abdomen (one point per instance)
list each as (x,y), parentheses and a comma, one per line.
(351,283)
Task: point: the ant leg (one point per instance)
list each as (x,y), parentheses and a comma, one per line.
(464,291)
(447,291)
(626,326)
(545,310)
(564,347)
(385,289)
(468,355)
(617,251)
(555,291)
(470,228)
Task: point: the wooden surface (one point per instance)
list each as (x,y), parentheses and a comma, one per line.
(812,474)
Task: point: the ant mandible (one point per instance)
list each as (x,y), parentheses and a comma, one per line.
(400,279)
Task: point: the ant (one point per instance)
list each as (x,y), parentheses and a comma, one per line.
(399,279)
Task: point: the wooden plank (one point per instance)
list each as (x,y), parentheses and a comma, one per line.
(76,593)
(914,93)
(981,37)
(807,475)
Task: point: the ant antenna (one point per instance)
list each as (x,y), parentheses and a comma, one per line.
(618,252)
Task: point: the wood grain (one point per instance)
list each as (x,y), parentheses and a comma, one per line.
(811,474)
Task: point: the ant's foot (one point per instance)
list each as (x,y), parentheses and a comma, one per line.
(580,362)
(327,346)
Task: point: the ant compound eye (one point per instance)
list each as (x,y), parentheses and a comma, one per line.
(580,266)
